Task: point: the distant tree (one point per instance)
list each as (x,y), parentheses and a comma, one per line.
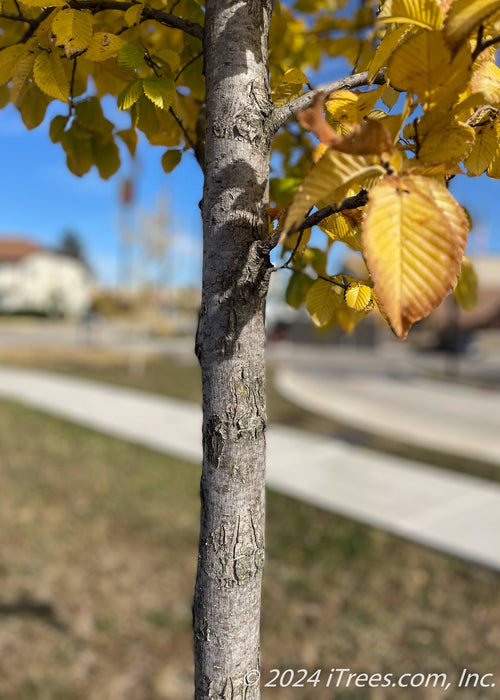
(72,246)
(223,80)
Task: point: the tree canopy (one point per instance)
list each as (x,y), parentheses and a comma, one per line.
(419,108)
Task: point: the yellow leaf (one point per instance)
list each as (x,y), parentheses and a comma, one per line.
(161,91)
(439,168)
(44,3)
(129,138)
(464,109)
(385,49)
(133,14)
(4,96)
(341,106)
(322,301)
(347,106)
(347,46)
(423,13)
(103,46)
(339,228)
(465,291)
(447,139)
(486,80)
(464,16)
(390,96)
(50,76)
(34,107)
(483,150)
(20,78)
(348,318)
(377,305)
(73,30)
(424,65)
(414,237)
(392,122)
(130,95)
(290,86)
(9,57)
(358,296)
(494,167)
(332,171)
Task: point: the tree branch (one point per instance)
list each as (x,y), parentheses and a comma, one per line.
(17,18)
(482,45)
(35,23)
(165,18)
(186,65)
(182,128)
(284,114)
(330,278)
(357,200)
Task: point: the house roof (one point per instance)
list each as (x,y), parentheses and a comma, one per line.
(14,249)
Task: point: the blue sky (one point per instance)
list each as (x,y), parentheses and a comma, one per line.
(40,198)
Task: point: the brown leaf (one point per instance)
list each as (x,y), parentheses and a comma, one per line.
(370,137)
(354,216)
(313,120)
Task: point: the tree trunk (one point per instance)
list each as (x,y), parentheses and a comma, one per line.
(230,346)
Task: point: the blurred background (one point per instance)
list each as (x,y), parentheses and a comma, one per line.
(383,548)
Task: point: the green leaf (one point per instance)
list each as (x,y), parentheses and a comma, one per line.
(34,107)
(106,156)
(283,189)
(131,56)
(296,291)
(316,258)
(130,95)
(465,291)
(4,96)
(161,91)
(170,159)
(57,126)
(79,157)
(90,116)
(129,138)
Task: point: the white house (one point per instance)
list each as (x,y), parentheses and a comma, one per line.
(34,279)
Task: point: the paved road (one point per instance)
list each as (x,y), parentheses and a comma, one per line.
(450,512)
(380,391)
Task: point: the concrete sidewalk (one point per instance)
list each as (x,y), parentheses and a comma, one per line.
(456,514)
(383,395)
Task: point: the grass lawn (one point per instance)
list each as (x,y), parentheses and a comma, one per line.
(98,543)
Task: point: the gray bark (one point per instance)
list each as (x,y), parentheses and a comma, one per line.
(230,347)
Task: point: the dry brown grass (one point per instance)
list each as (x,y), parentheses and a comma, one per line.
(98,544)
